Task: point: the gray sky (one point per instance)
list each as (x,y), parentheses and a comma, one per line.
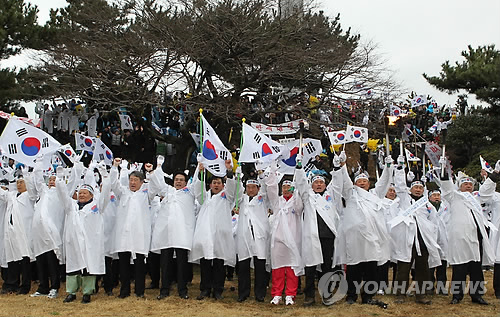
(413,36)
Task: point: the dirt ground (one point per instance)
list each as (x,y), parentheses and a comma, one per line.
(102,305)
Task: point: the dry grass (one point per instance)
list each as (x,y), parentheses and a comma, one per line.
(102,305)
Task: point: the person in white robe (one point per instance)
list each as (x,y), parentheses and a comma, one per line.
(363,241)
(18,218)
(47,234)
(173,230)
(414,231)
(132,236)
(468,244)
(319,229)
(83,237)
(286,237)
(252,238)
(213,243)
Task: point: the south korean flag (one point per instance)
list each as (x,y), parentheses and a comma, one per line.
(258,147)
(24,143)
(84,143)
(214,153)
(357,134)
(337,137)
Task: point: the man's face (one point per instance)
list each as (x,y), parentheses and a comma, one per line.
(391,193)
(285,189)
(252,190)
(21,185)
(467,187)
(84,196)
(52,181)
(435,197)
(216,186)
(417,190)
(318,186)
(179,181)
(363,183)
(134,183)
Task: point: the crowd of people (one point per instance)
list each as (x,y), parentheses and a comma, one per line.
(98,219)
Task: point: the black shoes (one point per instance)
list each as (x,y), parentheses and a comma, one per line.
(241,299)
(455,301)
(218,296)
(479,300)
(350,301)
(162,296)
(86,299)
(69,298)
(259,299)
(122,296)
(203,295)
(309,301)
(184,296)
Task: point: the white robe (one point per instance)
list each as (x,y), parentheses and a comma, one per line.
(463,242)
(213,237)
(175,222)
(391,210)
(253,231)
(17,224)
(326,206)
(286,228)
(83,233)
(3,209)
(133,218)
(492,201)
(404,228)
(362,232)
(109,220)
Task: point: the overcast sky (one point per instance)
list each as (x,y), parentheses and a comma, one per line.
(413,36)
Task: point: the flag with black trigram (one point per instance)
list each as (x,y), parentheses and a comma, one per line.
(288,159)
(258,147)
(25,143)
(214,153)
(85,143)
(309,167)
(102,153)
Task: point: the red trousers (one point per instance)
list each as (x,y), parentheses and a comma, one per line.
(278,282)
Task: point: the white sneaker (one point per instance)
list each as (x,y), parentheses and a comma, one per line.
(53,293)
(289,300)
(37,294)
(276,300)
(380,292)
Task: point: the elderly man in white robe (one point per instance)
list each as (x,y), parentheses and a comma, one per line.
(17,234)
(174,227)
(47,234)
(132,236)
(252,238)
(362,242)
(213,243)
(468,244)
(83,237)
(414,231)
(319,228)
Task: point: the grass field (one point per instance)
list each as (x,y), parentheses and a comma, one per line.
(102,305)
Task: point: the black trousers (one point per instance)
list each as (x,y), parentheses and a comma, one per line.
(153,262)
(473,269)
(355,274)
(212,276)
(174,270)
(18,271)
(260,279)
(48,271)
(496,279)
(438,274)
(110,279)
(383,274)
(422,272)
(310,271)
(139,270)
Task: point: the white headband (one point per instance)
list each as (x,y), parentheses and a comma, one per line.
(87,187)
(361,176)
(287,182)
(465,180)
(252,182)
(417,183)
(318,177)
